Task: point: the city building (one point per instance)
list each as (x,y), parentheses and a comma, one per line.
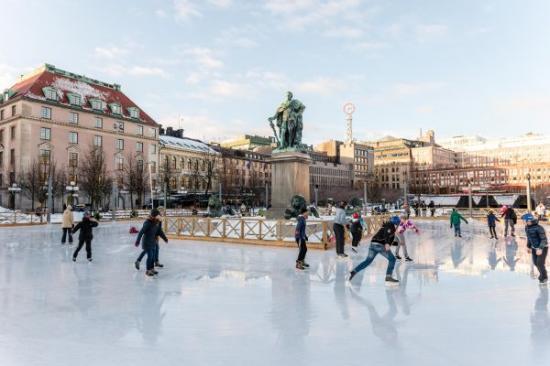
(186,165)
(52,115)
(329,178)
(248,142)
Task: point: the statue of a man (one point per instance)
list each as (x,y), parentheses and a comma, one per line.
(289,123)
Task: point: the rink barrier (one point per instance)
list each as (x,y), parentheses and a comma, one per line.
(258,231)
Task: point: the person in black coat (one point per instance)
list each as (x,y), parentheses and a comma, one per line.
(85,226)
(301,239)
(151,230)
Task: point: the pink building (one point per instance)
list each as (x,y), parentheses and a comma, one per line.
(59,116)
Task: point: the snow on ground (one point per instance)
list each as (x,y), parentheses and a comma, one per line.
(464,301)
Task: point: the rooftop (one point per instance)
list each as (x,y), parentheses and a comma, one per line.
(185,143)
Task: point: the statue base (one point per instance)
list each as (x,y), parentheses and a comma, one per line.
(289,177)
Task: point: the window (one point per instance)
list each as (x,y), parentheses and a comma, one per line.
(1,115)
(12,156)
(73,117)
(45,156)
(74,99)
(153,149)
(98,122)
(139,146)
(140,165)
(115,108)
(120,163)
(97,104)
(119,126)
(45,133)
(73,160)
(134,112)
(12,178)
(73,137)
(140,130)
(98,141)
(13,110)
(50,93)
(153,168)
(1,160)
(119,144)
(12,132)
(174,163)
(154,132)
(46,113)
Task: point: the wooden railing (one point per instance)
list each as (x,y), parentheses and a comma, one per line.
(257,230)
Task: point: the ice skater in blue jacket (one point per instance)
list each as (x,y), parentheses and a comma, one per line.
(537,245)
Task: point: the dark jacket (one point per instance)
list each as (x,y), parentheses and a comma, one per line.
(85,226)
(356,227)
(510,214)
(536,236)
(150,230)
(492,220)
(386,234)
(300,233)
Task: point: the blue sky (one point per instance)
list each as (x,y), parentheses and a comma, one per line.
(219,68)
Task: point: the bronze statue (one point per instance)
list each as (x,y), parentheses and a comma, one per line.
(290,125)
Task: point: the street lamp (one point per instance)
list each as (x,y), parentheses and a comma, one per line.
(470,200)
(14,189)
(72,188)
(316,192)
(529,192)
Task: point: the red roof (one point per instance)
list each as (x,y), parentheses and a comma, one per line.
(32,87)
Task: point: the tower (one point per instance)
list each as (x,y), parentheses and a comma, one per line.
(349,108)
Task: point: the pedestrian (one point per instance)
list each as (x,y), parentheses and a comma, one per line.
(431,205)
(456,219)
(301,239)
(537,245)
(340,222)
(68,224)
(357,225)
(85,226)
(541,211)
(492,223)
(151,230)
(510,220)
(380,244)
(407,209)
(404,224)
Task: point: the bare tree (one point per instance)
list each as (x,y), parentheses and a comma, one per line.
(59,183)
(167,173)
(94,178)
(135,177)
(34,179)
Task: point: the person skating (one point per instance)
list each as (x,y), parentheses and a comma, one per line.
(431,206)
(68,224)
(400,236)
(456,219)
(492,223)
(301,239)
(86,236)
(537,245)
(151,229)
(356,230)
(541,211)
(340,223)
(510,220)
(380,244)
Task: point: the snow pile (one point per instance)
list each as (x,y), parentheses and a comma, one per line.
(81,88)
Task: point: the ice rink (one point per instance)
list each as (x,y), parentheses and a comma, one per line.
(468,301)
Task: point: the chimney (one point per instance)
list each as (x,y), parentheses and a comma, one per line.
(179,133)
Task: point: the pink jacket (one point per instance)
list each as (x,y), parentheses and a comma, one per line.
(408,224)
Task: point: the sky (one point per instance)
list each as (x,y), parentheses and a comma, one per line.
(220,68)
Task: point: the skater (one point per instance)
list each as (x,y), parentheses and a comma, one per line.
(151,229)
(510,220)
(356,230)
(301,239)
(456,217)
(85,226)
(492,223)
(541,211)
(537,245)
(400,236)
(340,222)
(380,244)
(431,206)
(68,224)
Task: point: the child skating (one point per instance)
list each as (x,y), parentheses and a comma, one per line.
(380,244)
(404,225)
(492,220)
(85,226)
(356,230)
(456,219)
(152,228)
(537,245)
(301,239)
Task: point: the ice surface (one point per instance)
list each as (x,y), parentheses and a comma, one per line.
(464,302)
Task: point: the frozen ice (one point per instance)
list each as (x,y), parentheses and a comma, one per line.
(469,301)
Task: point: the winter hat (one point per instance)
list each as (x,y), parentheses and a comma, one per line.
(395,220)
(355,215)
(87,214)
(155,212)
(528,217)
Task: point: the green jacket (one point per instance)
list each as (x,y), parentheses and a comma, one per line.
(456,217)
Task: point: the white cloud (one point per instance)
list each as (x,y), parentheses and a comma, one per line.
(321,86)
(424,110)
(417,88)
(367,46)
(112,52)
(204,57)
(186,9)
(238,37)
(425,32)
(8,76)
(344,32)
(221,3)
(224,88)
(135,70)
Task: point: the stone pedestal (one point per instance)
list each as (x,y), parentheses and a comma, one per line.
(289,176)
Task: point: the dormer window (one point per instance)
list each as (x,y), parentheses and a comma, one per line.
(115,108)
(134,112)
(74,99)
(97,104)
(50,93)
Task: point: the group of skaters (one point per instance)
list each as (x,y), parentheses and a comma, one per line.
(392,233)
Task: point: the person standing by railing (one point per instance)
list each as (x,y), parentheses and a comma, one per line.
(301,239)
(339,225)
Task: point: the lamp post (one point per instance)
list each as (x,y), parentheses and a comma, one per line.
(470,200)
(72,188)
(529,192)
(14,189)
(365,197)
(316,193)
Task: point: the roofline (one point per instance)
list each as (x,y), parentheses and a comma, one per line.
(51,68)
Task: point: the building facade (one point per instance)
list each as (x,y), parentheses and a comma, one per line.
(52,115)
